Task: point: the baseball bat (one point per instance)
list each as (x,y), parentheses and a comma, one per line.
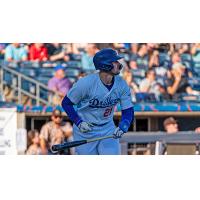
(59,147)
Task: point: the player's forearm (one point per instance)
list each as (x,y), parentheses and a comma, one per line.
(127,119)
(69,109)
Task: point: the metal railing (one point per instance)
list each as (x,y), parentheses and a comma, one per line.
(17,86)
(159,139)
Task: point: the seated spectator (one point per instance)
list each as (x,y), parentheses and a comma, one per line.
(175,58)
(33,143)
(155,64)
(184,48)
(164,96)
(55,132)
(87,58)
(142,56)
(149,84)
(38,52)
(178,83)
(154,59)
(170,125)
(195,51)
(128,77)
(59,84)
(2,50)
(133,51)
(56,52)
(133,64)
(15,53)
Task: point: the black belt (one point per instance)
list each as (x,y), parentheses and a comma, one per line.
(99,124)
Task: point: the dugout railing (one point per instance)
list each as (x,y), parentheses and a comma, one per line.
(160,143)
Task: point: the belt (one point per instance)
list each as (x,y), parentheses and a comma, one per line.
(99,124)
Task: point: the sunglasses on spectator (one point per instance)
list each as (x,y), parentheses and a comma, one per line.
(58,116)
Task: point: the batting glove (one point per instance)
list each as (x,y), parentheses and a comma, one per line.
(85,127)
(118,133)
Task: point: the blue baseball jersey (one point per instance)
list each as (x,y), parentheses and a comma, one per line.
(95,103)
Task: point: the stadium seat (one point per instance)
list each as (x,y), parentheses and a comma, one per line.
(186,57)
(137,79)
(145,97)
(163,57)
(7,77)
(43,79)
(46,71)
(138,73)
(196,64)
(32,72)
(72,72)
(75,64)
(28,86)
(76,57)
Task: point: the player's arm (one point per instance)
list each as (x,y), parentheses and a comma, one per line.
(127,112)
(74,96)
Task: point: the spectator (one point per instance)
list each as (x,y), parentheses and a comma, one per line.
(185,48)
(178,83)
(197,130)
(128,77)
(164,96)
(55,132)
(175,58)
(149,84)
(15,52)
(170,125)
(33,143)
(56,52)
(142,56)
(195,51)
(59,84)
(38,52)
(2,50)
(154,59)
(87,58)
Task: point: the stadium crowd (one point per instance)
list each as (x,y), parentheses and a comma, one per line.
(154,71)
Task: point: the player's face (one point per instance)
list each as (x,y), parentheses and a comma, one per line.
(117,68)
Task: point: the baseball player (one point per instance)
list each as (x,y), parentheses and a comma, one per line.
(96,95)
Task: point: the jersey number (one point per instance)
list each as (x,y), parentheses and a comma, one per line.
(107,112)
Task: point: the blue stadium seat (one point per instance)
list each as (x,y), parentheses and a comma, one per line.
(46,71)
(163,57)
(74,64)
(28,86)
(43,79)
(138,72)
(76,57)
(196,64)
(32,72)
(72,72)
(145,97)
(137,79)
(186,57)
(7,77)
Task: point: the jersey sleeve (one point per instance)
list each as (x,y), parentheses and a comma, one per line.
(125,100)
(78,91)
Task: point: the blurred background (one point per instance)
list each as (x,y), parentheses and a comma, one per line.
(164,79)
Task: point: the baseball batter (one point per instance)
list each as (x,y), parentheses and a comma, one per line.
(96,95)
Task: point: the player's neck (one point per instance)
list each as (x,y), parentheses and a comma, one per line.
(106,78)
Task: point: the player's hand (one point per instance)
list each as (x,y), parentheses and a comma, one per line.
(85,127)
(118,133)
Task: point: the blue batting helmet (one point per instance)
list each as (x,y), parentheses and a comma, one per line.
(104,58)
